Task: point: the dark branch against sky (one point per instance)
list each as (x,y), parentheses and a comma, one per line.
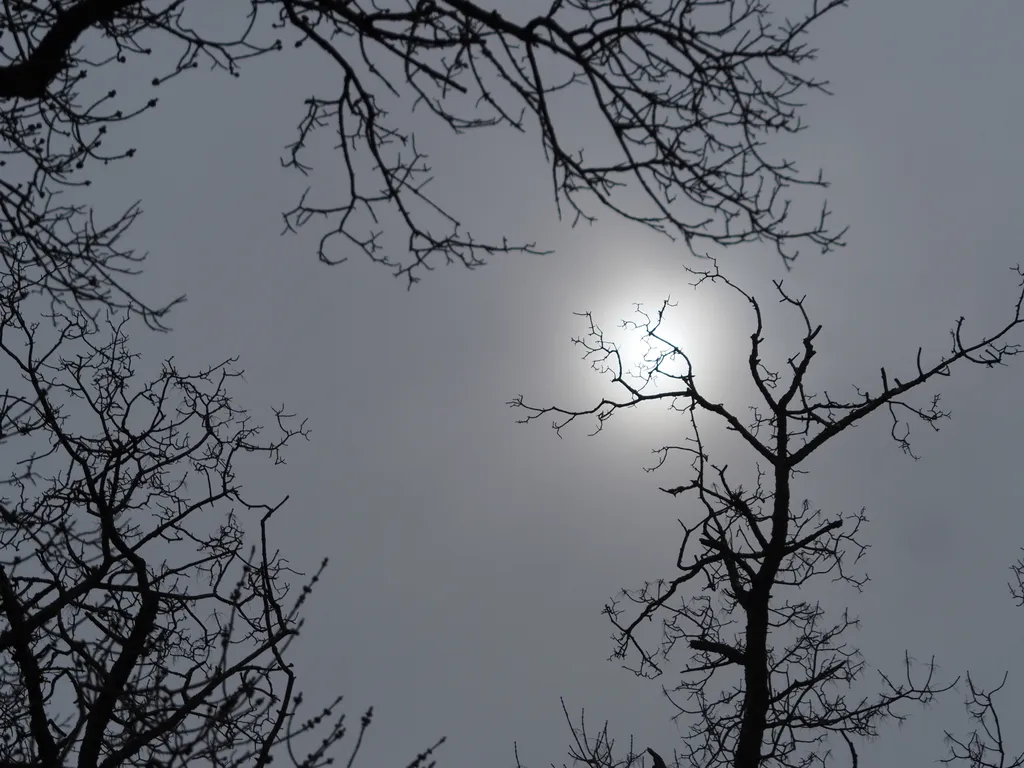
(470,559)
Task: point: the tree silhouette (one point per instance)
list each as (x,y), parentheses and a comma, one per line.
(145,618)
(986,746)
(688,93)
(769,676)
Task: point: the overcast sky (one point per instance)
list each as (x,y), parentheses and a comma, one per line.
(471,556)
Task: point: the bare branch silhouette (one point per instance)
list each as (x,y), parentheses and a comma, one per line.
(688,94)
(769,677)
(145,617)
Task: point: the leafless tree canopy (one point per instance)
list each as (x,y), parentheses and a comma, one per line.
(688,91)
(145,618)
(769,677)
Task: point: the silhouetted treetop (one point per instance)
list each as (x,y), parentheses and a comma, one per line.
(688,93)
(765,672)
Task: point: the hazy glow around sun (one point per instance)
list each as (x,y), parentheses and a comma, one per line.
(711,324)
(692,323)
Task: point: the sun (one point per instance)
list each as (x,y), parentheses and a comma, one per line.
(661,337)
(669,334)
(651,341)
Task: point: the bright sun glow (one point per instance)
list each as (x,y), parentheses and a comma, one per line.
(653,336)
(706,324)
(674,337)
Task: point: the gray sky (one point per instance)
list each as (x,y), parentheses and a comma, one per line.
(471,556)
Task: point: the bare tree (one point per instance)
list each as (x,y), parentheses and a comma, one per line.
(769,676)
(986,745)
(689,93)
(145,617)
